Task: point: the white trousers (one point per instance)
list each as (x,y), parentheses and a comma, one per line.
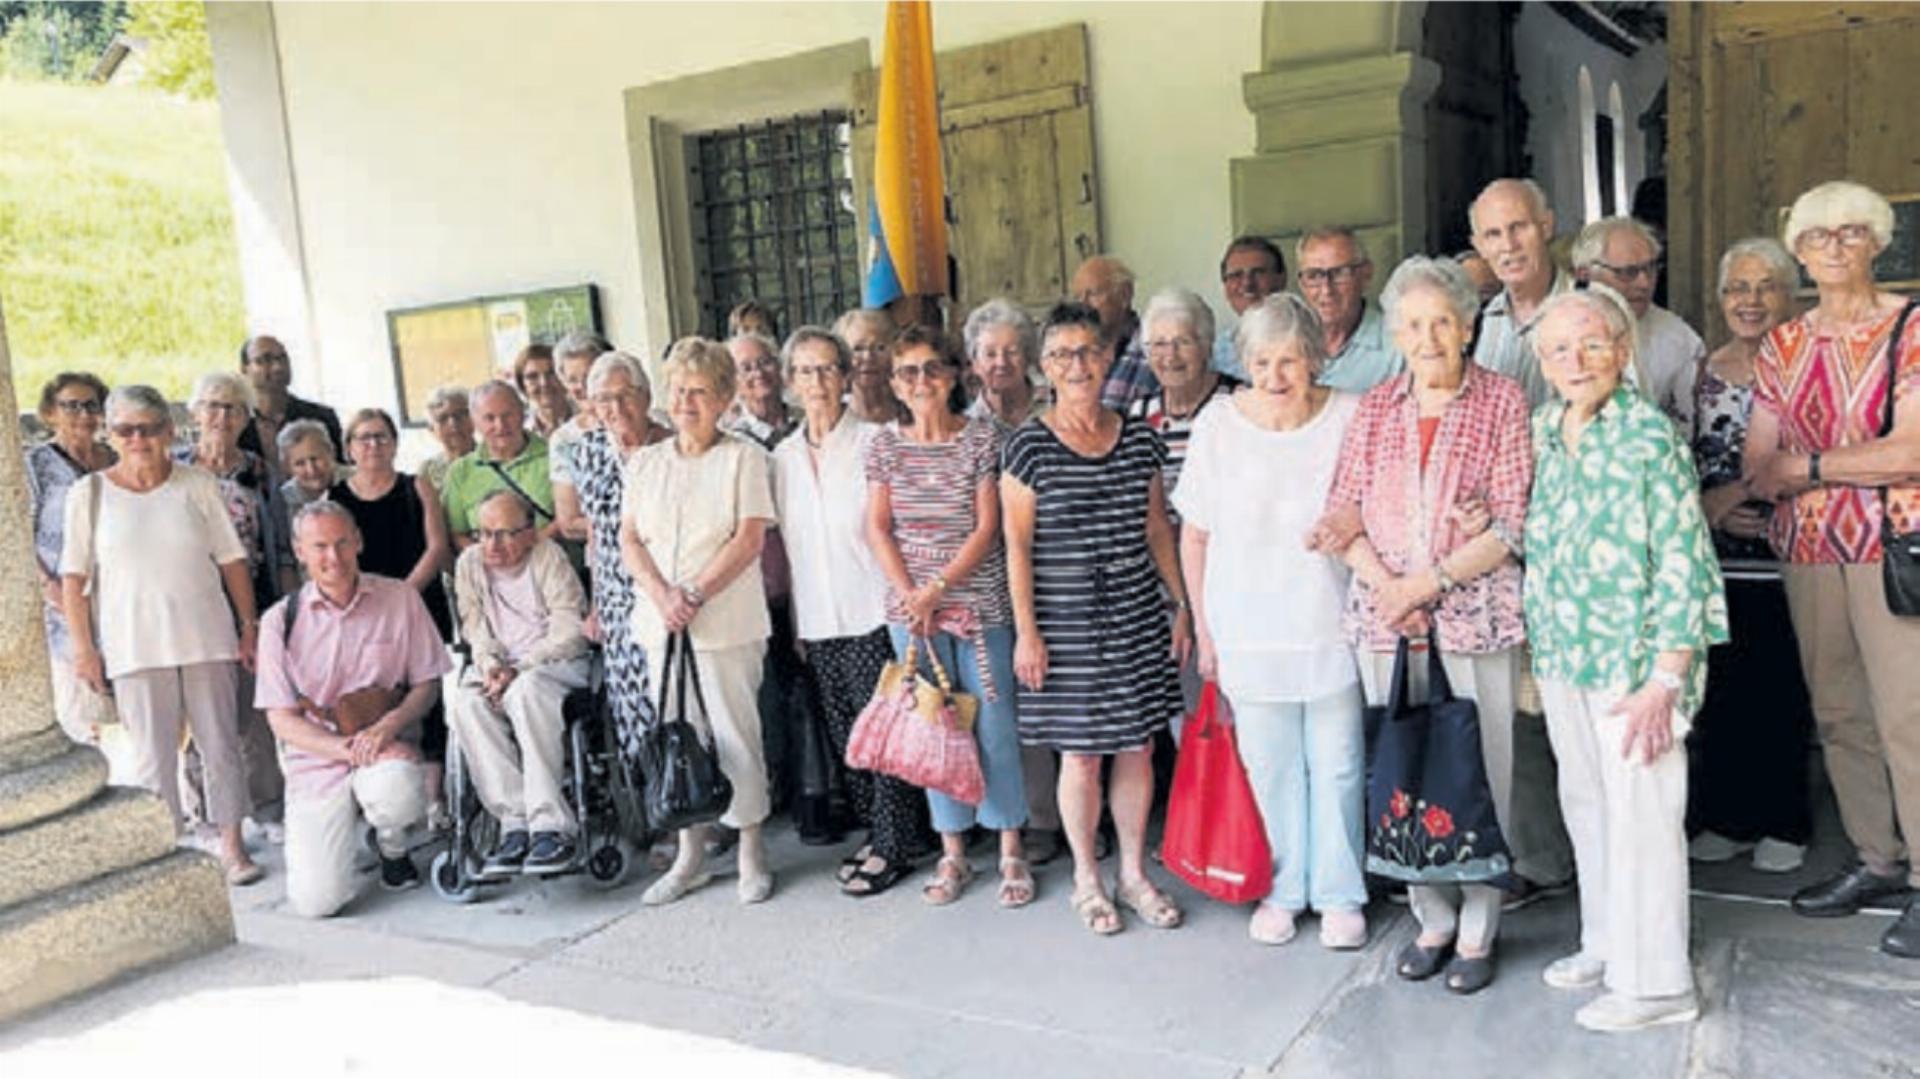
(324,832)
(730,682)
(1628,824)
(516,752)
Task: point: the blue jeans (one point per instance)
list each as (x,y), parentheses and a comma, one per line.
(994,731)
(1307,764)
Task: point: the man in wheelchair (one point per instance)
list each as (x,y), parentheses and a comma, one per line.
(521,612)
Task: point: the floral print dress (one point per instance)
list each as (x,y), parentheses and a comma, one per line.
(1721,412)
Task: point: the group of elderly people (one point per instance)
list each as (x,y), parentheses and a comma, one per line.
(1538,490)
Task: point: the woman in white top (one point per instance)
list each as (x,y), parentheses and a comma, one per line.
(840,597)
(693,520)
(1267,611)
(149,547)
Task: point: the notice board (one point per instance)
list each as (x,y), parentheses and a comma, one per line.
(466,342)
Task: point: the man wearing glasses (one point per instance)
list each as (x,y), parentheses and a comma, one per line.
(1335,273)
(264,361)
(1251,270)
(1624,255)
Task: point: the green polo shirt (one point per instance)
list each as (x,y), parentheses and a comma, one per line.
(475,476)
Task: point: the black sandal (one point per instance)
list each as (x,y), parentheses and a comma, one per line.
(876,881)
(1470,974)
(1417,964)
(851,864)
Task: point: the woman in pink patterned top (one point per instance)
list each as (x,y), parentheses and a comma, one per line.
(1425,453)
(1819,443)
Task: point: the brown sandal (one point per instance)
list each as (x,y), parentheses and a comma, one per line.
(1096,911)
(1152,905)
(951,876)
(1016,883)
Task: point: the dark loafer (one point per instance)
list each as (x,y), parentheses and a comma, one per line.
(1466,975)
(1417,964)
(1846,893)
(507,857)
(1902,938)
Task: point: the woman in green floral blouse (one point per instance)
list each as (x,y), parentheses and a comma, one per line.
(1623,598)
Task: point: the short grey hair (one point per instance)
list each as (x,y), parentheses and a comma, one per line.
(445,396)
(1324,233)
(613,361)
(222,385)
(1182,305)
(1599,299)
(1536,196)
(1780,265)
(809,335)
(767,344)
(140,399)
(1001,311)
(494,386)
(300,431)
(578,343)
(1443,275)
(1590,247)
(514,497)
(1281,317)
(1839,202)
(323,507)
(878,316)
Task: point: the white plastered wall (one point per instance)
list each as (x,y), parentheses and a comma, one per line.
(446,150)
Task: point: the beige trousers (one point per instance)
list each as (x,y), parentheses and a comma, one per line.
(1469,914)
(730,682)
(323,833)
(155,703)
(516,752)
(1863,669)
(1628,823)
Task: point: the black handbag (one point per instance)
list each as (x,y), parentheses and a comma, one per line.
(684,784)
(1900,551)
(812,806)
(1430,815)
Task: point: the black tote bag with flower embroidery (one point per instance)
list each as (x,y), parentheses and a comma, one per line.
(1430,816)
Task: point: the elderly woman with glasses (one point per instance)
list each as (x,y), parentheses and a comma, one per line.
(1100,610)
(70,404)
(933,521)
(1835,440)
(695,514)
(1748,791)
(1428,451)
(308,460)
(1623,599)
(451,421)
(158,595)
(1178,330)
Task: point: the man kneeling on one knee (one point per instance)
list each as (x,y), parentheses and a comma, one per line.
(359,648)
(521,609)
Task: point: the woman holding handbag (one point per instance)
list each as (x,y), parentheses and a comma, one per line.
(933,521)
(1425,451)
(1267,615)
(695,513)
(1844,476)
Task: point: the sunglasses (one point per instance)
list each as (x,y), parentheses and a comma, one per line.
(78,406)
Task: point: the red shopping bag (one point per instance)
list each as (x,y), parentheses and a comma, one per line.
(1215,839)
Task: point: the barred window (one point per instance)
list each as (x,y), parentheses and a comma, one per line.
(773,219)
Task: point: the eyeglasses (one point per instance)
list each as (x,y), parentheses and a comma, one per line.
(223,408)
(452,415)
(138,430)
(499,535)
(1065,356)
(1325,276)
(1744,290)
(269,357)
(1593,348)
(74,406)
(613,398)
(1850,235)
(1161,346)
(811,371)
(763,364)
(372,438)
(914,372)
(1648,270)
(870,350)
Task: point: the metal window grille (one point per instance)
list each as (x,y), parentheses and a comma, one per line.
(773,220)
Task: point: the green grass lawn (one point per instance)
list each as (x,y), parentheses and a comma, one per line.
(116,239)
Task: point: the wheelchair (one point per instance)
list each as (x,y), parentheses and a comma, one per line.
(599,787)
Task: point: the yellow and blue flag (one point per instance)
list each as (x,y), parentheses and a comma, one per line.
(907,215)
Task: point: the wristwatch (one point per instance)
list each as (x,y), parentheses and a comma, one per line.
(1666,679)
(1444,579)
(693,594)
(1813,468)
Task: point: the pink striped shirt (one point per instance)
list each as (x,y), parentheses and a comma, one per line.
(931,491)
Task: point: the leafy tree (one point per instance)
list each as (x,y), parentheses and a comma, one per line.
(179,56)
(44,39)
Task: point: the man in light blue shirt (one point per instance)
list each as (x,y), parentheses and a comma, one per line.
(1252,269)
(1335,272)
(1512,225)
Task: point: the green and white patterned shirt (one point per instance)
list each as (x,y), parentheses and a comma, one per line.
(1620,563)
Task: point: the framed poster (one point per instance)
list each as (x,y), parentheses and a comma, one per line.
(466,342)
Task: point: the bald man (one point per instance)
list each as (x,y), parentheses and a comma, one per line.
(1105,284)
(1512,227)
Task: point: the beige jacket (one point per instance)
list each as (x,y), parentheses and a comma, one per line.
(560,593)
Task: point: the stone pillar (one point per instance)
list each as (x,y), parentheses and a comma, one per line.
(92,885)
(1340,133)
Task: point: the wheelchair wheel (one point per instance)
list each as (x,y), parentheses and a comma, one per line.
(449,883)
(610,863)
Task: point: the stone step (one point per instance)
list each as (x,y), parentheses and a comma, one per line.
(73,940)
(45,775)
(119,828)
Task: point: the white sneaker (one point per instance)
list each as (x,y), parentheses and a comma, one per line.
(275,833)
(1343,930)
(1714,847)
(1778,856)
(1271,924)
(1576,971)
(1614,1013)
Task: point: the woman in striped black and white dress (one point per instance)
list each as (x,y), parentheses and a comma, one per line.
(1091,566)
